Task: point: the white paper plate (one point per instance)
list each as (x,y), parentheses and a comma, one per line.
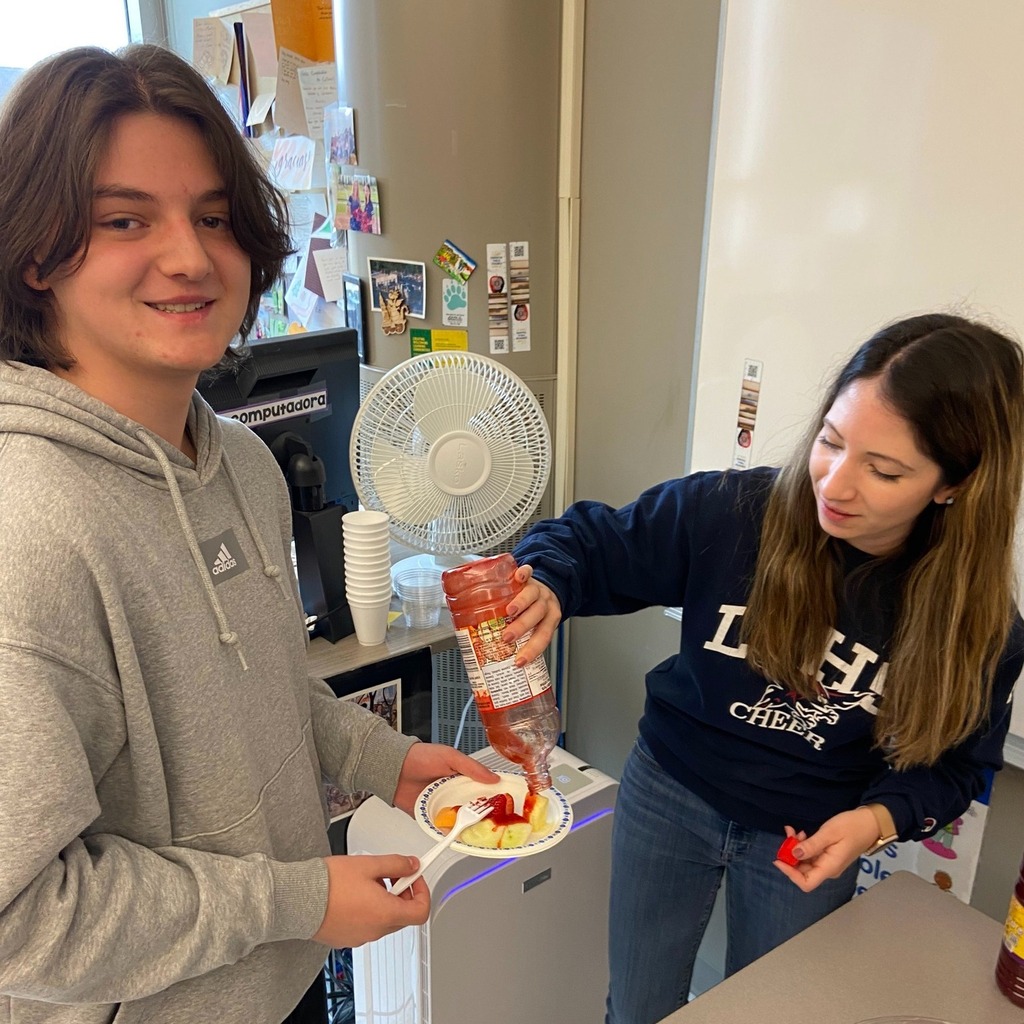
(458,789)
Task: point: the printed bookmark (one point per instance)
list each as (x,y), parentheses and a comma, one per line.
(519,294)
(497,297)
(750,393)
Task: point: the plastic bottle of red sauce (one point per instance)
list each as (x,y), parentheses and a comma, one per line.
(1010,964)
(516,705)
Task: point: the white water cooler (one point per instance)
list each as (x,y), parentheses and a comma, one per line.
(507,941)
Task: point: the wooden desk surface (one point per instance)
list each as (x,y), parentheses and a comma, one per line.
(903,947)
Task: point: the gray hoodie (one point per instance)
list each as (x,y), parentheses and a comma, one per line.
(161,744)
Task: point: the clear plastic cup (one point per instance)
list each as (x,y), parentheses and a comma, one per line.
(421,596)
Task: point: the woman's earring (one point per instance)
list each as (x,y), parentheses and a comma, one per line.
(950,500)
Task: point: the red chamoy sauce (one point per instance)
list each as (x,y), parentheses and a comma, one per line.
(503,812)
(1010,963)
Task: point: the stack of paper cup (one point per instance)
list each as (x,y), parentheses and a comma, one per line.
(368,573)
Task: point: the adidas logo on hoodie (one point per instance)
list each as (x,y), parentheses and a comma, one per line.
(223,556)
(223,561)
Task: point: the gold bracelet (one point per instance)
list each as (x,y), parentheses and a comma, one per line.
(883,840)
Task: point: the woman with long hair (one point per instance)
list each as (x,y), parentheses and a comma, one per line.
(848,649)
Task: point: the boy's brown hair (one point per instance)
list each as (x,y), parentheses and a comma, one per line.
(56,125)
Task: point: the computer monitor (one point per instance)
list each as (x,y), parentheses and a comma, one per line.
(305,385)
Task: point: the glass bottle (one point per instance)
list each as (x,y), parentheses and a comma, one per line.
(1010,965)
(516,705)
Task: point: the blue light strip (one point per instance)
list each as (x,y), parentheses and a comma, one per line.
(505,863)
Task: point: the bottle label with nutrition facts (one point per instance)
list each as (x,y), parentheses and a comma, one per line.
(490,664)
(1013,937)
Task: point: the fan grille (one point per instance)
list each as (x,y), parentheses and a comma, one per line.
(455,448)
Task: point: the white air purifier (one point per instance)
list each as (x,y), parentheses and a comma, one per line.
(507,941)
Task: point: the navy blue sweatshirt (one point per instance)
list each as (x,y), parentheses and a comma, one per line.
(756,753)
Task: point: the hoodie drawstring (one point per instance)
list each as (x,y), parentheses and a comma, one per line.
(226,634)
(269,569)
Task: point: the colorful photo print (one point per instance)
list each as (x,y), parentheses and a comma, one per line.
(404,276)
(340,134)
(384,701)
(354,316)
(454,262)
(356,202)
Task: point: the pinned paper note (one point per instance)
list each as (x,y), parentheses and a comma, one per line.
(260,43)
(331,264)
(302,208)
(213,48)
(421,341)
(318,84)
(289,112)
(300,299)
(322,281)
(291,163)
(261,54)
(259,109)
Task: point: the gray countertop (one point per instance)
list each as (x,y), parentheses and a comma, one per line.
(903,947)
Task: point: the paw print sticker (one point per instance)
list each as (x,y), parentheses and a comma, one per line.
(454,295)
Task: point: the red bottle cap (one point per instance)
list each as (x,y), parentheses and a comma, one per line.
(785,853)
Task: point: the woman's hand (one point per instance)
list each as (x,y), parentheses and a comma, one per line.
(426,762)
(832,849)
(534,607)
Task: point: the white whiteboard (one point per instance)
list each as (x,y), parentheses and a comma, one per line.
(867,165)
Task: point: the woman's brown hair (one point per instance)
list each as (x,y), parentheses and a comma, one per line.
(55,125)
(960,386)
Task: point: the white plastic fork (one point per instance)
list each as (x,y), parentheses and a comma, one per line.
(469,814)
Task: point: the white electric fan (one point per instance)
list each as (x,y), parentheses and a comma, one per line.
(455,448)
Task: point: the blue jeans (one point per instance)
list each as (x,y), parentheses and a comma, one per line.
(670,851)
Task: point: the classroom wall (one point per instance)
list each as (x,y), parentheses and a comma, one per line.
(648,91)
